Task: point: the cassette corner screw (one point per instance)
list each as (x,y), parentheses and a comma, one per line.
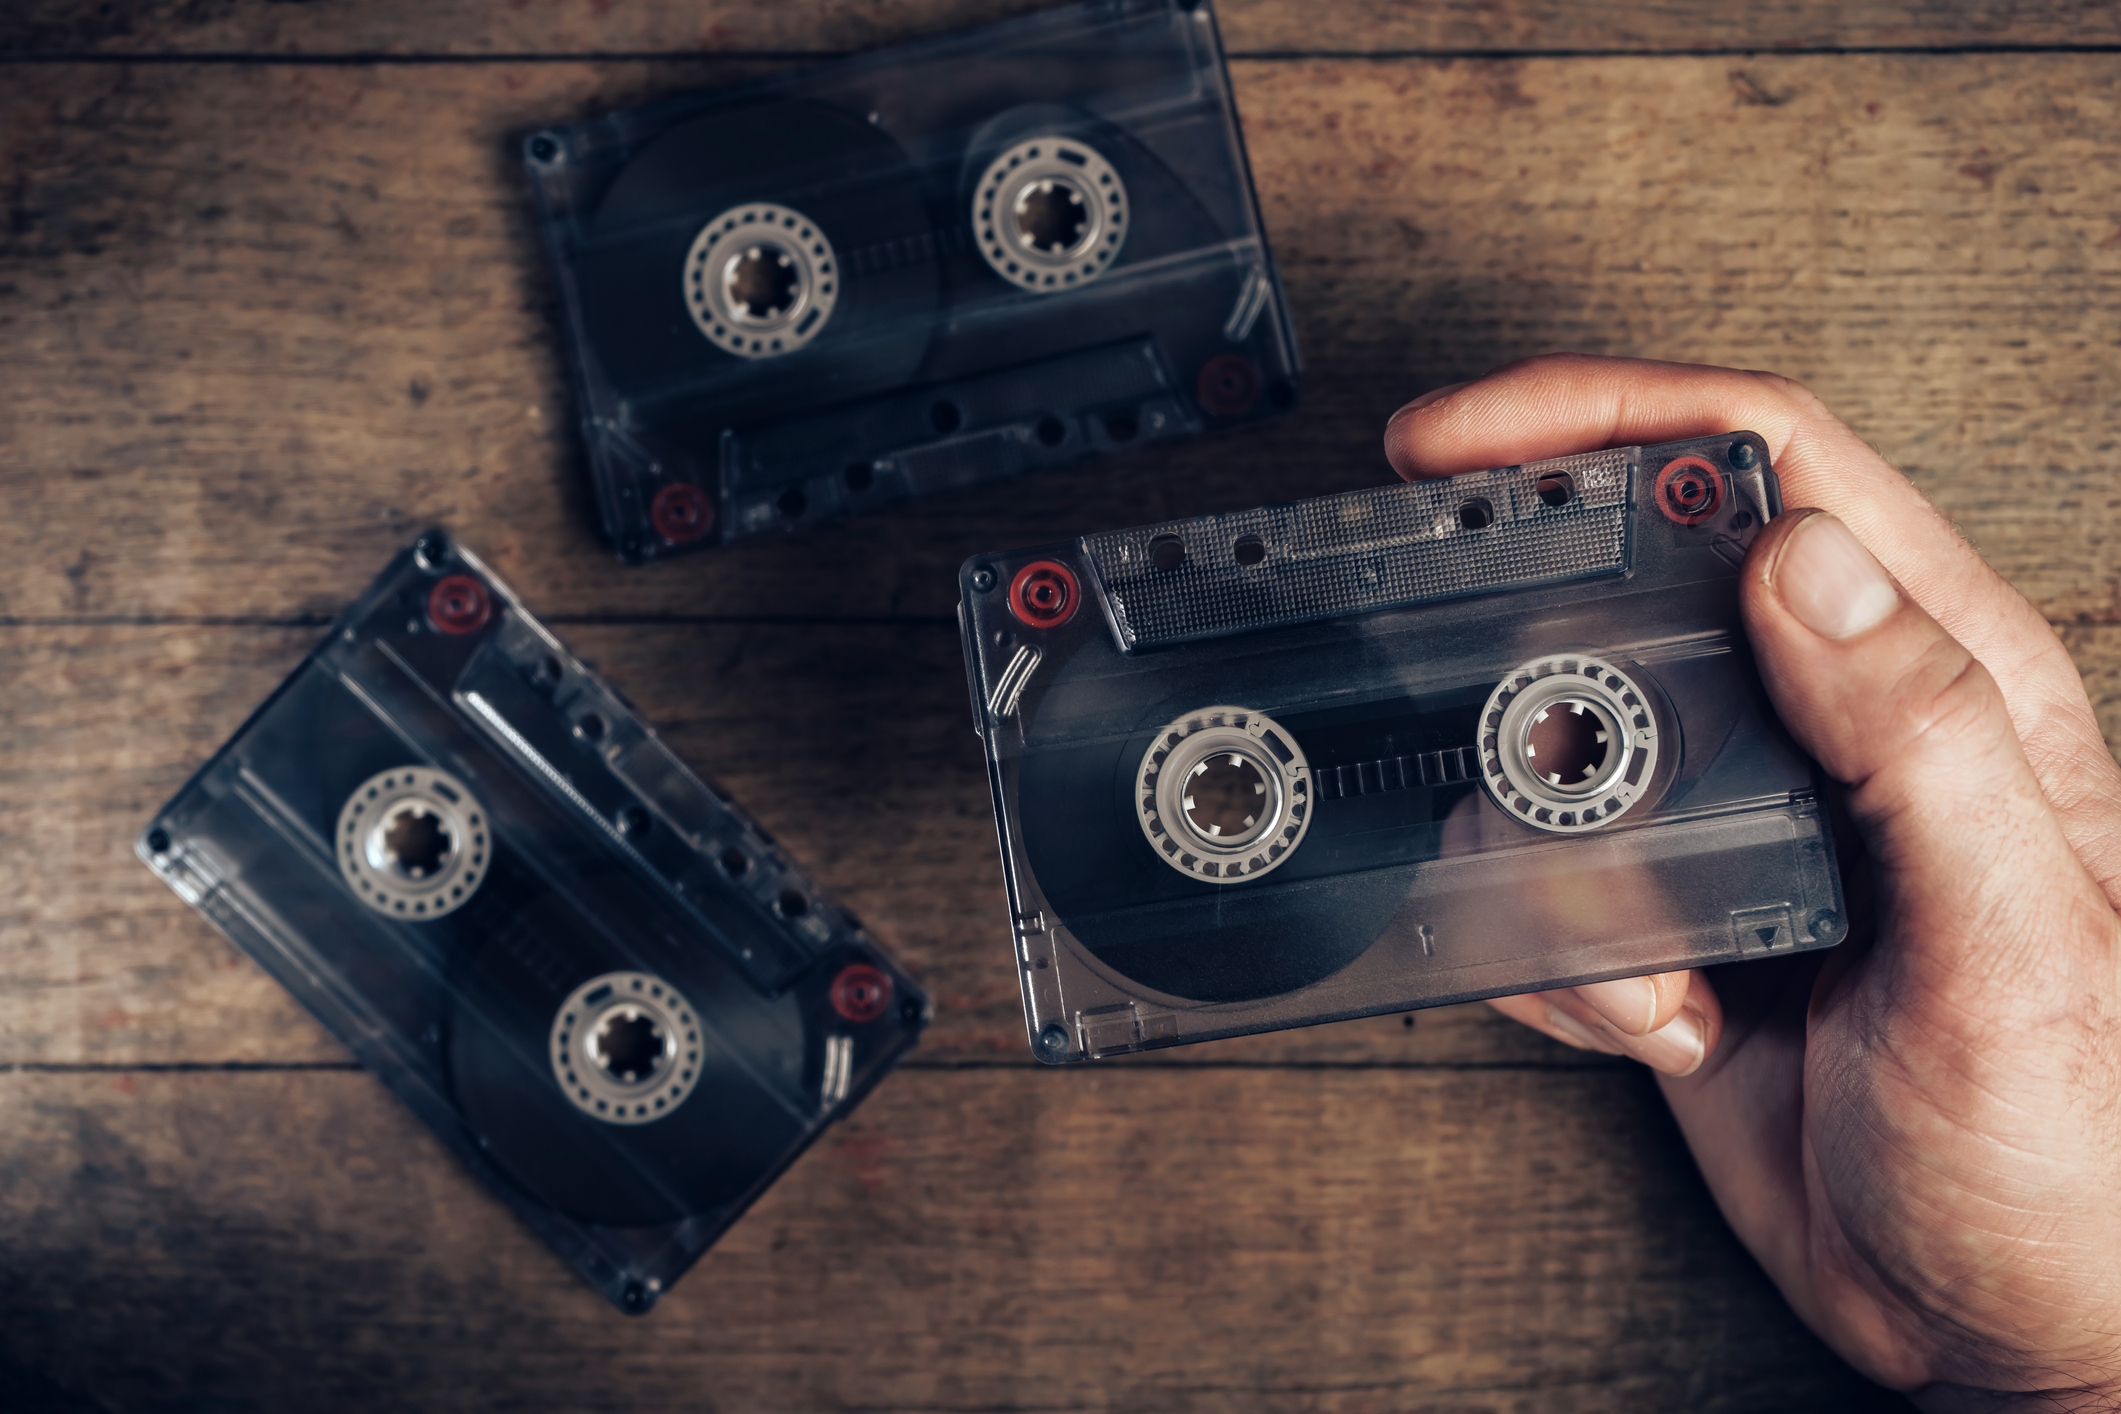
(1744,457)
(1052,1041)
(983,579)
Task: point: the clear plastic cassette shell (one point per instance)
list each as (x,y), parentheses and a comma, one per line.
(1392,749)
(602,985)
(936,265)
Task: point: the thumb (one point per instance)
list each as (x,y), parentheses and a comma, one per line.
(1976,876)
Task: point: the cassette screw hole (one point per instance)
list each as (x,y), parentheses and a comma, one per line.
(860,993)
(734,863)
(1476,514)
(158,840)
(791,904)
(1121,425)
(1052,431)
(1741,520)
(909,1012)
(543,148)
(1044,594)
(1688,490)
(1249,550)
(459,604)
(681,513)
(634,821)
(1050,216)
(945,417)
(860,476)
(794,502)
(591,727)
(1053,1041)
(983,579)
(635,1297)
(1743,456)
(762,282)
(1167,552)
(1556,488)
(1225,796)
(431,550)
(1567,743)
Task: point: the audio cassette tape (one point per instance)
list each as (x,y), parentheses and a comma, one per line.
(935,265)
(603,987)
(1391,749)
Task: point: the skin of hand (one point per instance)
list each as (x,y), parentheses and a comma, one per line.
(1918,1133)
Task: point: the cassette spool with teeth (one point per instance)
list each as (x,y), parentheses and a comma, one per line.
(599,983)
(1414,745)
(919,269)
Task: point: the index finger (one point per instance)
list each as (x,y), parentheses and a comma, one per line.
(1563,403)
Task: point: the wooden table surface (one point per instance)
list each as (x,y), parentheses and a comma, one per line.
(270,302)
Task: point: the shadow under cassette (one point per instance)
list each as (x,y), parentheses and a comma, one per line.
(599,983)
(920,269)
(1392,749)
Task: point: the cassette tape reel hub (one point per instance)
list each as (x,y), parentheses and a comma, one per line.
(761,280)
(412,842)
(1225,794)
(625,1048)
(1051,213)
(1569,744)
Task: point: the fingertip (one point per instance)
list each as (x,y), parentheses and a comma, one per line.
(1402,433)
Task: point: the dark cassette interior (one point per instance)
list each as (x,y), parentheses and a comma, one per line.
(600,983)
(933,266)
(1392,749)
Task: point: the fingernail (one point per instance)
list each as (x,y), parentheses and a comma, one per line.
(1676,1048)
(1830,582)
(1576,1033)
(1425,399)
(1630,1003)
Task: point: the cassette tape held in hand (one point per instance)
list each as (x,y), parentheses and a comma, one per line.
(914,270)
(603,987)
(1390,749)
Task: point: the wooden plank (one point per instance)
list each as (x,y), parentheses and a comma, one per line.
(1221,1242)
(263,321)
(853,745)
(485,27)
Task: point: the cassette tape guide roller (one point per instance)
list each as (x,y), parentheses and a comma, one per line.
(924,268)
(1390,749)
(597,981)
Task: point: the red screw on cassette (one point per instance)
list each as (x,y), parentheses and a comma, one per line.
(1044,594)
(861,992)
(1228,386)
(459,604)
(1689,490)
(681,513)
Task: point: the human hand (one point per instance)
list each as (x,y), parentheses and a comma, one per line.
(1917,1133)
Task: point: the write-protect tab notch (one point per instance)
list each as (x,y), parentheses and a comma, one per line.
(1390,547)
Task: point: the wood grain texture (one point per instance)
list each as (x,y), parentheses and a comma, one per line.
(483,27)
(262,322)
(1135,1240)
